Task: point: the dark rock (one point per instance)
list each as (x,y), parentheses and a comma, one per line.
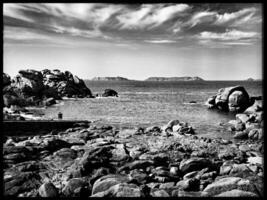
(110,93)
(53,144)
(194,164)
(21,182)
(50,101)
(48,190)
(6,79)
(233,98)
(76,187)
(28,83)
(241,135)
(189,184)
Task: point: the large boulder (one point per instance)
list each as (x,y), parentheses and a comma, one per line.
(233,99)
(65,83)
(6,80)
(110,93)
(28,83)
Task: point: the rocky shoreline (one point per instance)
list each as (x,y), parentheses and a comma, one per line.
(90,160)
(102,161)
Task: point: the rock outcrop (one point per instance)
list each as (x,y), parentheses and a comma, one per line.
(233,99)
(31,87)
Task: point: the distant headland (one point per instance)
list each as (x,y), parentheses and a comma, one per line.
(184,78)
(117,78)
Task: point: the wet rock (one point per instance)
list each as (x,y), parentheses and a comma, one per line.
(227,184)
(181,193)
(50,101)
(242,117)
(256,160)
(240,170)
(257,106)
(241,135)
(189,184)
(139,176)
(76,187)
(254,134)
(121,190)
(159,193)
(167,185)
(54,144)
(193,164)
(236,193)
(104,183)
(21,182)
(240,127)
(137,164)
(174,171)
(48,190)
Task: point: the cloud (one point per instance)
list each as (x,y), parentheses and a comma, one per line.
(160,41)
(150,16)
(228,35)
(133,22)
(234,19)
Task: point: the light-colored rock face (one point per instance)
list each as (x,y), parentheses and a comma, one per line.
(227,184)
(48,190)
(193,164)
(104,183)
(237,193)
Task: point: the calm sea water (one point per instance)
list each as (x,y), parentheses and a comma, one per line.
(145,104)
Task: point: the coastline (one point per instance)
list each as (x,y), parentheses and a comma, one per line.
(171,165)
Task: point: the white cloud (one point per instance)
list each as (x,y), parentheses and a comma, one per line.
(243,15)
(202,17)
(228,35)
(160,41)
(150,16)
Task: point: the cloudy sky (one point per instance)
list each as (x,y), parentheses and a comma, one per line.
(213,41)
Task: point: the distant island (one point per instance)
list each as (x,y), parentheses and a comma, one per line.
(118,78)
(184,78)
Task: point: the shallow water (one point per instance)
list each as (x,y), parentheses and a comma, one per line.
(143,103)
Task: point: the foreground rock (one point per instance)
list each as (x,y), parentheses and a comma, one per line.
(102,161)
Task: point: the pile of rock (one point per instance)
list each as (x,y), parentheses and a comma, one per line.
(233,99)
(249,120)
(34,88)
(102,161)
(249,124)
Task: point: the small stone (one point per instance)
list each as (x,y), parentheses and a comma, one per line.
(159,193)
(48,190)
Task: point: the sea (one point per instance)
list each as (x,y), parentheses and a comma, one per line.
(147,103)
